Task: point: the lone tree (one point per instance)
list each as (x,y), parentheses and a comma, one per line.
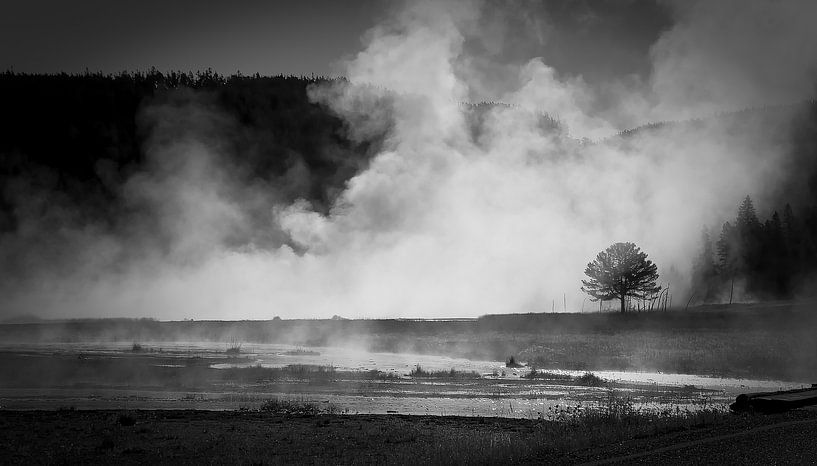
(620,271)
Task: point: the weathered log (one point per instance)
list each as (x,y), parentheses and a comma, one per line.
(775,402)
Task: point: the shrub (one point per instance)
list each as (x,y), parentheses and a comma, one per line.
(590,379)
(126,420)
(375,374)
(512,362)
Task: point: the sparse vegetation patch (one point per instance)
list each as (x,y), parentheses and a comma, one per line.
(419,372)
(301,352)
(233,346)
(302,407)
(545,375)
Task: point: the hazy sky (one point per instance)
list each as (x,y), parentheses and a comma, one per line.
(597,39)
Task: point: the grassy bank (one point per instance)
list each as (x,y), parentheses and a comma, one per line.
(305,432)
(293,433)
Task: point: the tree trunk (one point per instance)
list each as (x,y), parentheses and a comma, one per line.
(689,300)
(732,289)
(622,304)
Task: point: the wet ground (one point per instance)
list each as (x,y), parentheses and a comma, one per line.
(196,375)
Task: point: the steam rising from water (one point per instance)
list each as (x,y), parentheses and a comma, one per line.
(447,221)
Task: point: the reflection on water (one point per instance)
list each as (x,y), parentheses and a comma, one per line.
(501,391)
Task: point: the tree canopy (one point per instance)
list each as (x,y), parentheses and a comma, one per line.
(619,272)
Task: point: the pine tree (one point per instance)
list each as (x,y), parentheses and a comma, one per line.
(775,257)
(704,269)
(619,272)
(747,222)
(728,255)
(791,236)
(750,242)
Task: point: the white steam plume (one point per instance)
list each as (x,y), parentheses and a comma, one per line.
(444,223)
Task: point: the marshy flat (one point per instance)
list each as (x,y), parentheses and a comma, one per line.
(202,375)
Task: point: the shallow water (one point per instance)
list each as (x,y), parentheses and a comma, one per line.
(500,391)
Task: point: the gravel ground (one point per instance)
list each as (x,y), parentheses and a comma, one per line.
(787,438)
(232,437)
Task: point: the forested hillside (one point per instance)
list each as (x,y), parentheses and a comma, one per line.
(84,135)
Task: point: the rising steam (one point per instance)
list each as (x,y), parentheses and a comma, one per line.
(464,211)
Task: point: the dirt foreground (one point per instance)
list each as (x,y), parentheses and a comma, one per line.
(207,437)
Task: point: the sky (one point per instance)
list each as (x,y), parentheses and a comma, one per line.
(452,217)
(597,39)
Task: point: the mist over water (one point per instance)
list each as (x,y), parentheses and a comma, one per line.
(465,209)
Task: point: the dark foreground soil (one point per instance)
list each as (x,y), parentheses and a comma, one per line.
(205,437)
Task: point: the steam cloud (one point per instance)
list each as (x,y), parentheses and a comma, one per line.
(448,220)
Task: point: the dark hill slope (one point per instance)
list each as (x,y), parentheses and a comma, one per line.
(83,136)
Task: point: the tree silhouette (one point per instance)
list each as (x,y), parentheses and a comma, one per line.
(750,232)
(619,272)
(728,255)
(704,270)
(773,258)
